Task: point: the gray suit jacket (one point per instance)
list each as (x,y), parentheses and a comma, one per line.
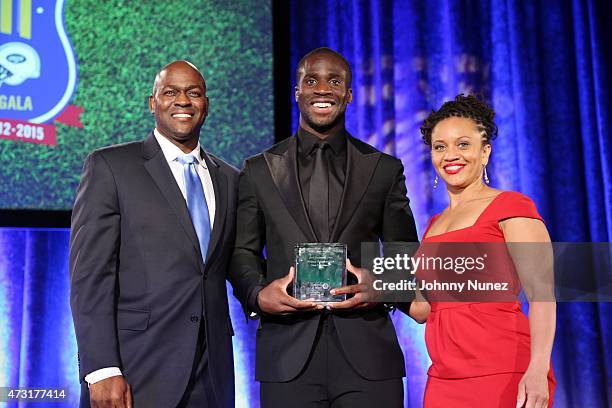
(139,288)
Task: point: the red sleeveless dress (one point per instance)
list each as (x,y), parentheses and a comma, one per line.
(480,350)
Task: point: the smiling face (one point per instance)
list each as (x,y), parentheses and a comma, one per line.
(458,151)
(322,93)
(179,103)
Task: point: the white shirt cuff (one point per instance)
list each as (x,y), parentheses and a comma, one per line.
(102,374)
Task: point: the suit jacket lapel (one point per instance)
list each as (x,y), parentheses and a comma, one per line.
(360,168)
(157,166)
(220,186)
(283,168)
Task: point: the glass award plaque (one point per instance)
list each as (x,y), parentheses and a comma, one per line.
(319,268)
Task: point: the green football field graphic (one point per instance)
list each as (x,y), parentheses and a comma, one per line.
(119,46)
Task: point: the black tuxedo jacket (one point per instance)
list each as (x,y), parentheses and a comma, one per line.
(272,215)
(138,285)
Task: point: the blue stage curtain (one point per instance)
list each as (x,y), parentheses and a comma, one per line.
(546,67)
(37,341)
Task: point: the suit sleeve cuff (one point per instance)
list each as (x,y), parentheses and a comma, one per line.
(102,374)
(252,304)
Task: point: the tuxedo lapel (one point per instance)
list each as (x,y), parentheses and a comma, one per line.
(157,167)
(283,168)
(360,168)
(219,181)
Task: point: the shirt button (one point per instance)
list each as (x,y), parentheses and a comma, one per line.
(194,318)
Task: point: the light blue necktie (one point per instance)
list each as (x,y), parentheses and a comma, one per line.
(196,201)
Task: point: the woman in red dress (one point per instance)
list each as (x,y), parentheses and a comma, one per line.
(484,354)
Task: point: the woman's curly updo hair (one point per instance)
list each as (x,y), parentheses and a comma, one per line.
(463,106)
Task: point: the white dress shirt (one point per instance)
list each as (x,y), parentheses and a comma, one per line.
(171,153)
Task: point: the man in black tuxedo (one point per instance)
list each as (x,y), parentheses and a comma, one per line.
(321,185)
(153,229)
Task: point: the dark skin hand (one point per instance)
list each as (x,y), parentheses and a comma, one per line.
(112,392)
(363,291)
(274,299)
